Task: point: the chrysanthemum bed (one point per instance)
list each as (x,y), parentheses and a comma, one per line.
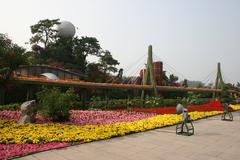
(83,126)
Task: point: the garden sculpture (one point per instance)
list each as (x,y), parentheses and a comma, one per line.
(28,112)
(186,126)
(227,115)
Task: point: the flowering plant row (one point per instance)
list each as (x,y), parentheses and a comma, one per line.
(20,149)
(235,107)
(85,126)
(12,132)
(211,106)
(79,117)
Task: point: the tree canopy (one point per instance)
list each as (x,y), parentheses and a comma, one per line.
(11,56)
(44,32)
(69,53)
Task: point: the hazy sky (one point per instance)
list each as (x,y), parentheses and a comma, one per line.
(190,36)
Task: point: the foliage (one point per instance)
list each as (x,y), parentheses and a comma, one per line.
(11,56)
(226,97)
(169,81)
(44,32)
(103,69)
(72,53)
(96,103)
(69,53)
(56,104)
(135,102)
(153,101)
(92,70)
(83,47)
(15,106)
(192,99)
(108,63)
(172,78)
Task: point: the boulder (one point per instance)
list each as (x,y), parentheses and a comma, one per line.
(28,112)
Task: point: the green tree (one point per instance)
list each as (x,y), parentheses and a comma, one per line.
(11,56)
(62,51)
(70,53)
(44,32)
(94,74)
(73,53)
(169,80)
(82,48)
(172,78)
(108,63)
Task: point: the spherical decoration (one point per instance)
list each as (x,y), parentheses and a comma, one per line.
(66,29)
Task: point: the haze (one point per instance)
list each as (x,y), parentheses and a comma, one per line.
(191,36)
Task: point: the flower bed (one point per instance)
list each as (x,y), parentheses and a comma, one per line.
(21,149)
(12,132)
(235,107)
(83,126)
(79,117)
(211,106)
(53,135)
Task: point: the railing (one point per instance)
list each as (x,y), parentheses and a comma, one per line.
(83,84)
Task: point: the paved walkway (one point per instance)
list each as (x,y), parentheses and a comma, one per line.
(213,140)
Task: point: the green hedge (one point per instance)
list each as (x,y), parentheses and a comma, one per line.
(14,106)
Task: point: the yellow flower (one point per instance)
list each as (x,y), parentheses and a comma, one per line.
(12,132)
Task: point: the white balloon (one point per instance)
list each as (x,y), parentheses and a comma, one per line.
(66,29)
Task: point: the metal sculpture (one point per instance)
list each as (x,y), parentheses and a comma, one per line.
(148,77)
(219,84)
(186,126)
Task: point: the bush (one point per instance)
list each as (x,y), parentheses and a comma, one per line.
(194,99)
(55,104)
(96,103)
(14,106)
(153,101)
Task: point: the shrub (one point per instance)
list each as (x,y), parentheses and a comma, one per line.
(14,106)
(96,103)
(55,104)
(153,101)
(135,102)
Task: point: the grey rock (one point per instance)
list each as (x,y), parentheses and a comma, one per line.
(28,112)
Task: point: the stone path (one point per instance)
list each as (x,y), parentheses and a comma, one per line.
(213,140)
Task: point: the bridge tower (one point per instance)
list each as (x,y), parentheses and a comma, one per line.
(148,77)
(219,84)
